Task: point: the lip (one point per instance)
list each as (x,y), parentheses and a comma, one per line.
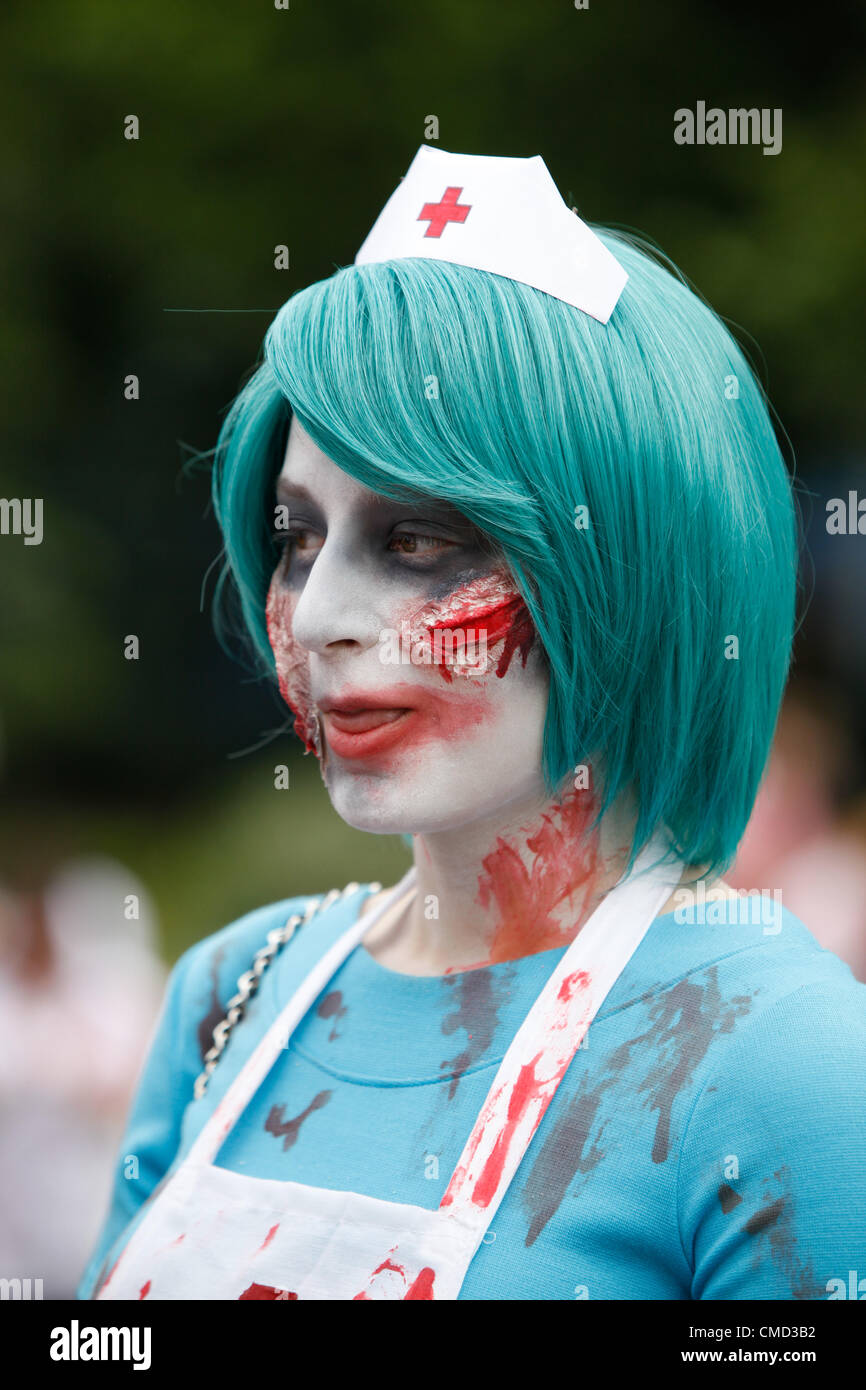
(362,732)
(360,721)
(351,701)
(359,724)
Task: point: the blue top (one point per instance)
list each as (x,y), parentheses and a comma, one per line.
(706,1142)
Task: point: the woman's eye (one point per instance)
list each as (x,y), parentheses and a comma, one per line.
(306,540)
(300,541)
(414,543)
(304,543)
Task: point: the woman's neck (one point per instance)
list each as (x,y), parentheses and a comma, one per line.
(518,882)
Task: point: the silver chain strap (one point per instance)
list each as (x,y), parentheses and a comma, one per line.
(248,983)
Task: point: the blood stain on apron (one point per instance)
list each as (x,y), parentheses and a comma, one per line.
(269,1237)
(421,1288)
(527,1088)
(266,1292)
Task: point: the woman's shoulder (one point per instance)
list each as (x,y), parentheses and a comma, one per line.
(236,942)
(753,943)
(771,1002)
(206,975)
(796,1050)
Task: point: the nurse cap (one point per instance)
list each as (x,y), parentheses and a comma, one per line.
(497,214)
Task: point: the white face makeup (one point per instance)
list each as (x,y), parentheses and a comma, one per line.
(398,633)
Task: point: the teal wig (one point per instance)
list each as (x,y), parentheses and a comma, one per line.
(628,473)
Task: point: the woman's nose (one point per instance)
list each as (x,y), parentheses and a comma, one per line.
(341,601)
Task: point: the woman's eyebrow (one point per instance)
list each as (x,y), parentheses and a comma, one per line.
(437,510)
(377,502)
(294,492)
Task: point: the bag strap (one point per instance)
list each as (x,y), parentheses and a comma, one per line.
(248,983)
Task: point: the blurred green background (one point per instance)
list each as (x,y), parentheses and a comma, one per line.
(261,126)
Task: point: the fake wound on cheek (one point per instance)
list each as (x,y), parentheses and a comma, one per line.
(475,629)
(290,658)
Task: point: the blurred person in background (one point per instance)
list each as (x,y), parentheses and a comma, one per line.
(799,840)
(80,985)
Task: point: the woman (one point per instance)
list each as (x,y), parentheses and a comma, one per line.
(532,471)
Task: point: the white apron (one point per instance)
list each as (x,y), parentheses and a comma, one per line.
(214,1234)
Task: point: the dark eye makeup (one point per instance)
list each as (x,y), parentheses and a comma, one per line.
(432,538)
(419,548)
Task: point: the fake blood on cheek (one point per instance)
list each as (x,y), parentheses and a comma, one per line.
(291,659)
(487,613)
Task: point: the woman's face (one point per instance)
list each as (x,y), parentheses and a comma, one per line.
(397,633)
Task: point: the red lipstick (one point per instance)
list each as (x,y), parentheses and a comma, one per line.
(356,730)
(363,725)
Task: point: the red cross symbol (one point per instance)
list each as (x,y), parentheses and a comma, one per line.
(440,214)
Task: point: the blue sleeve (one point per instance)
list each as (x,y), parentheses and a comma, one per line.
(152,1135)
(772,1171)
